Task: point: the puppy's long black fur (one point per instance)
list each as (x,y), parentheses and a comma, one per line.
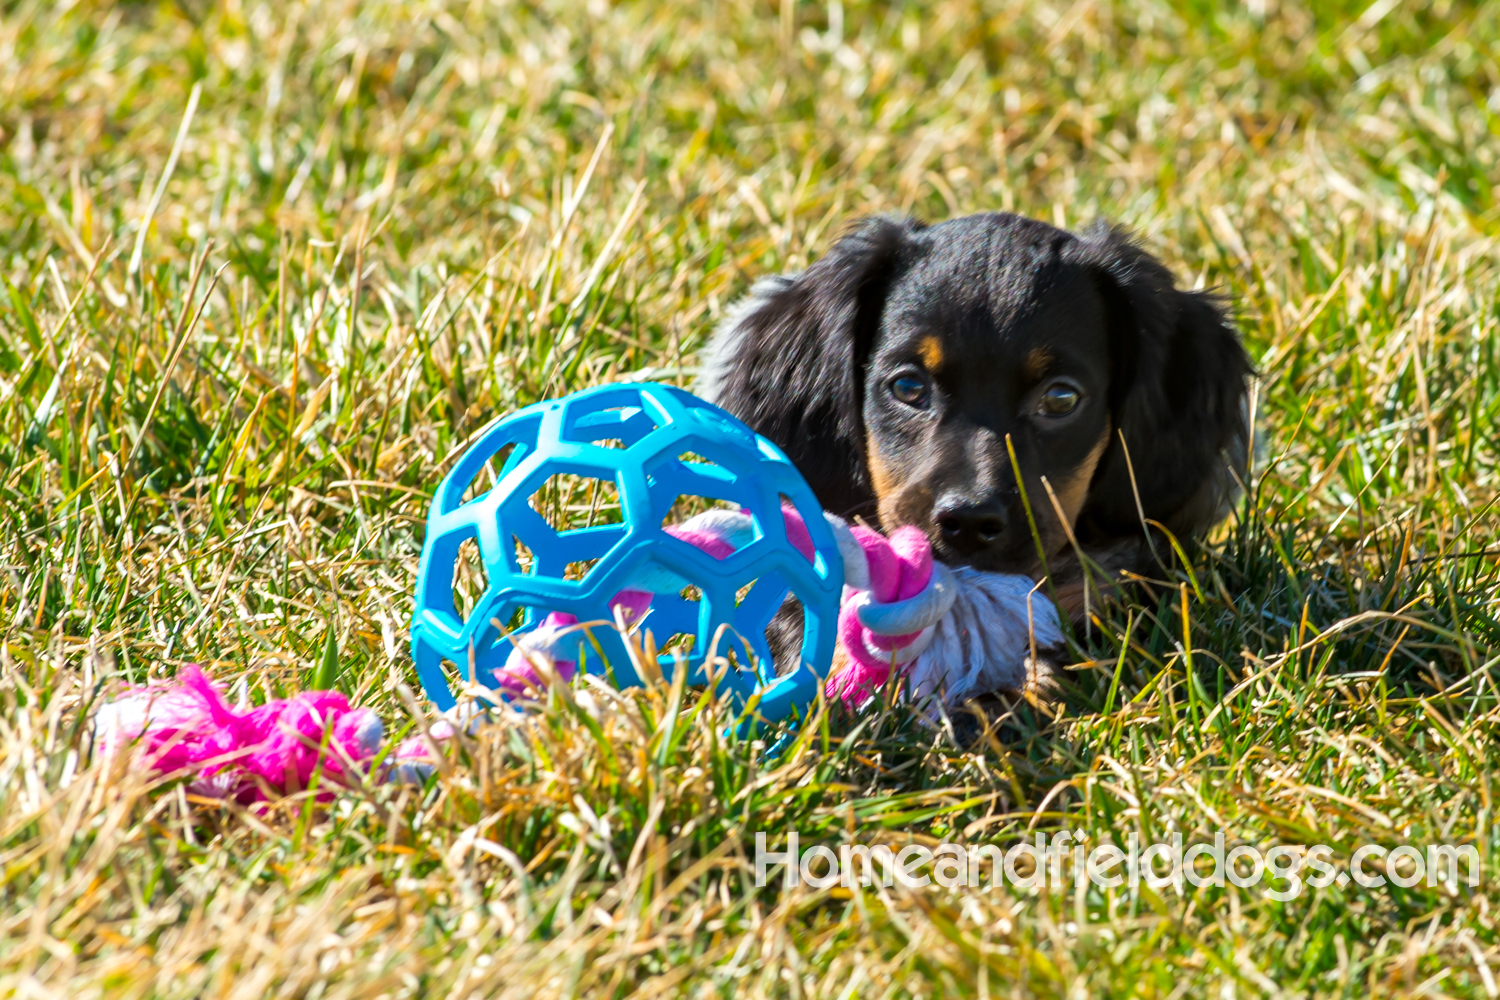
(912,371)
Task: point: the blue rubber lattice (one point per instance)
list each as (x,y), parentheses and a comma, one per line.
(653,443)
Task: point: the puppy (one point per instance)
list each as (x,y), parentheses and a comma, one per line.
(1020,393)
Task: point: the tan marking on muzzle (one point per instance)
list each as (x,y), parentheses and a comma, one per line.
(1074,490)
(895,503)
(880,476)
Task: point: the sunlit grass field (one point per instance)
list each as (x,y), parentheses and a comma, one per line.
(267,265)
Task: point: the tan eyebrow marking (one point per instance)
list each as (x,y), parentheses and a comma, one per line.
(930,349)
(1036,364)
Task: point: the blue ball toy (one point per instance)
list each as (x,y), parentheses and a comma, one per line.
(651,445)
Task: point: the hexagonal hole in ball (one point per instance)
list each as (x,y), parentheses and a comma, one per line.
(470,580)
(523,559)
(787,503)
(579,569)
(484,480)
(609,427)
(682,642)
(569,502)
(688,505)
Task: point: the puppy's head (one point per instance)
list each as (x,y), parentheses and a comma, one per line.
(975,378)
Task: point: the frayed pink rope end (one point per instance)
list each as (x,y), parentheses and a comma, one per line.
(188,725)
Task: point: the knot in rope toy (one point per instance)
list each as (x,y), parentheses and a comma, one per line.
(894,597)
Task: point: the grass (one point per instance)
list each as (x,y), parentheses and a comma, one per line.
(267,265)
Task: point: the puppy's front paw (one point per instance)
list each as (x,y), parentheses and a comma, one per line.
(1044,673)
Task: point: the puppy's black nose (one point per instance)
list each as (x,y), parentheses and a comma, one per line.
(969,526)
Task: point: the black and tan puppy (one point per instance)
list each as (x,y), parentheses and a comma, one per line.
(914,369)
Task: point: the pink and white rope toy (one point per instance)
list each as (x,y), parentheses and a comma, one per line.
(954,631)
(959,632)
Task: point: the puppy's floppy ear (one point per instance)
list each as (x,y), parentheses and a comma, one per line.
(789,361)
(1178,384)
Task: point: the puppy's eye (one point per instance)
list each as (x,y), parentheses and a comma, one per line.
(1058,400)
(910,389)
